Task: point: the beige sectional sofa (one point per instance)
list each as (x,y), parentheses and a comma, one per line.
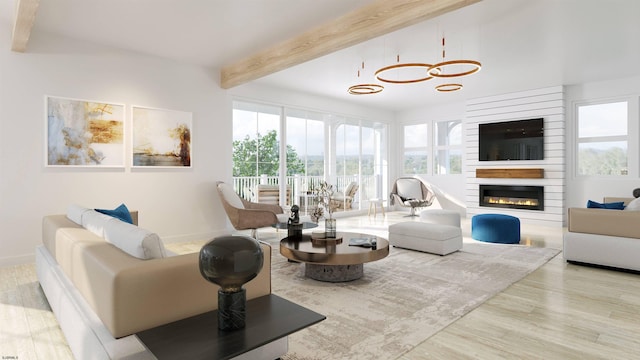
(603,237)
(101,295)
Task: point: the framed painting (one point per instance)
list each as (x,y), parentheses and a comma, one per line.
(84,133)
(161,138)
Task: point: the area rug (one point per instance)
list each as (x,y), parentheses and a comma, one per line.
(401,301)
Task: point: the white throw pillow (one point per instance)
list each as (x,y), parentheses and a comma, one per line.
(74,213)
(95,221)
(134,240)
(634,205)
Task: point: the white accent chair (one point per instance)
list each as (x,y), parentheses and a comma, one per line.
(411,192)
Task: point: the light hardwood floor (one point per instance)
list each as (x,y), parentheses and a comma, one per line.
(560,311)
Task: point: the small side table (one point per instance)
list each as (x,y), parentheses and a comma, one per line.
(269,318)
(374,203)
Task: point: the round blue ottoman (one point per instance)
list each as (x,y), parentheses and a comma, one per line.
(496,228)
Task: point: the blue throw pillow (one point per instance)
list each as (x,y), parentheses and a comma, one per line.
(121,212)
(619,205)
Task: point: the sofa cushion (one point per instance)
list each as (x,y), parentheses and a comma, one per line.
(121,212)
(134,240)
(618,205)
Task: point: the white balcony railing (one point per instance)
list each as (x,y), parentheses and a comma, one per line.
(301,184)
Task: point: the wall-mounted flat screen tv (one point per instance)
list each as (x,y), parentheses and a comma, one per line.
(512,140)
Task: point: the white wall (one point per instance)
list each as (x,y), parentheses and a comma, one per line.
(178,204)
(579,189)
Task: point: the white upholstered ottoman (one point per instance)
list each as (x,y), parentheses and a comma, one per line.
(432,238)
(440,216)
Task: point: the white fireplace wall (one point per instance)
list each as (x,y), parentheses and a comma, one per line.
(547,103)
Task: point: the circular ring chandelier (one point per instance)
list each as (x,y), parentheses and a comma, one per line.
(365,89)
(437,69)
(428,67)
(448,87)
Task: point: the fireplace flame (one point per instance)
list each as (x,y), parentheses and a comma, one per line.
(511,201)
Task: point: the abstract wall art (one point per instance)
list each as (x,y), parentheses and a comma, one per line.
(84,133)
(161,138)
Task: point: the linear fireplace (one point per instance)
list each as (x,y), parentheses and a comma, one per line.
(513,197)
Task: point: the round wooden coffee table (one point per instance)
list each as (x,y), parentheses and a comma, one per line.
(333,260)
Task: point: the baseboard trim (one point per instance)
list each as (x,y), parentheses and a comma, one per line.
(18,260)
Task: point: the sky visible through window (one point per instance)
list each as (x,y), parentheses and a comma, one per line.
(603,120)
(305,138)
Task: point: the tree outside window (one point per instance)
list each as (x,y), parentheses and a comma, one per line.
(261,156)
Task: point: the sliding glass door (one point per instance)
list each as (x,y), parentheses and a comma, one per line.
(360,158)
(315,146)
(305,134)
(256,147)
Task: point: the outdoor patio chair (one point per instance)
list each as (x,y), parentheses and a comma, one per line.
(343,200)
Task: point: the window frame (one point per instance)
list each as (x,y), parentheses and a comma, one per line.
(631,133)
(447,147)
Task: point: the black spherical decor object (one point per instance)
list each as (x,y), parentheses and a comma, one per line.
(230,262)
(636,193)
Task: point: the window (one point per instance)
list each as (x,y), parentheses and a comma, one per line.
(256,147)
(347,151)
(603,139)
(415,149)
(305,143)
(368,163)
(448,149)
(359,154)
(256,140)
(305,150)
(316,145)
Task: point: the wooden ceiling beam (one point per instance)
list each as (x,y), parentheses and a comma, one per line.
(25,17)
(366,23)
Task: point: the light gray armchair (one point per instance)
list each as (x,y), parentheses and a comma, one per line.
(411,192)
(244,214)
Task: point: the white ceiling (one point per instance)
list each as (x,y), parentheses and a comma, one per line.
(522,44)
